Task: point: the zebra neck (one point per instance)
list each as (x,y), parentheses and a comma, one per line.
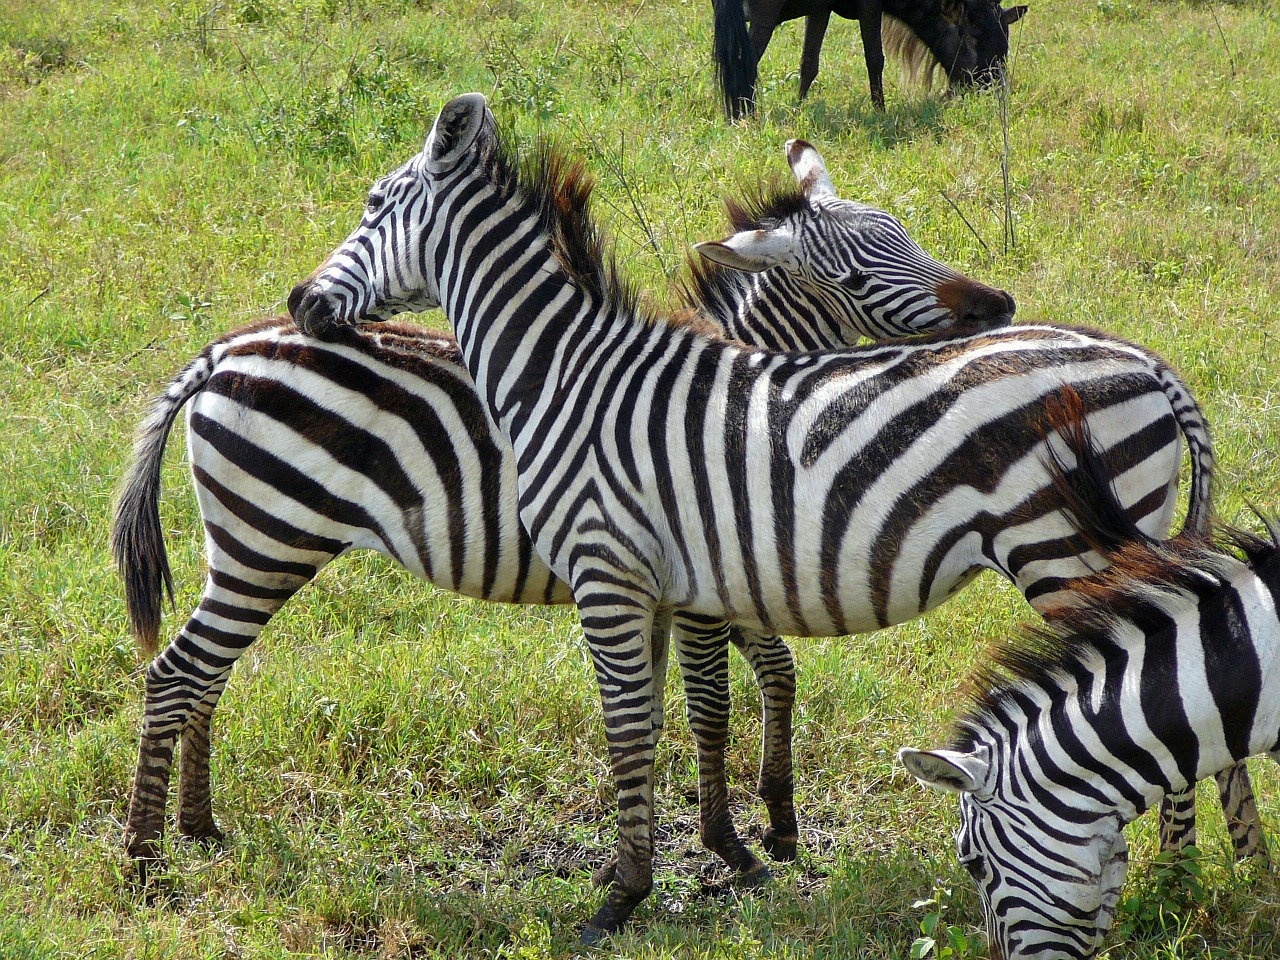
(1180,695)
(771,310)
(533,336)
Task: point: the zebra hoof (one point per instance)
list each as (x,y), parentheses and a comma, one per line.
(609,918)
(757,876)
(780,847)
(204,834)
(146,856)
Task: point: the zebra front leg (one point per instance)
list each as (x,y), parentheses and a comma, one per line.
(660,638)
(703,652)
(618,634)
(1178,820)
(775,673)
(1235,793)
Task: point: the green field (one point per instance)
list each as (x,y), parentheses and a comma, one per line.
(402,773)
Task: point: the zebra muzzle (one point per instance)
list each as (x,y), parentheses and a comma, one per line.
(314,312)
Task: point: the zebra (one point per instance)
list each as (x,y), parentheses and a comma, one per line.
(301,451)
(1163,673)
(663,469)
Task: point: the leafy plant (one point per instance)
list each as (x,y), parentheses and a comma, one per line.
(1170,892)
(941,939)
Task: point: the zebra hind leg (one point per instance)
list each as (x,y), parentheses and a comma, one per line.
(183,685)
(172,695)
(775,674)
(1244,825)
(703,651)
(195,806)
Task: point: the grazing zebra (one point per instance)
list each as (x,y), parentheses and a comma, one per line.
(301,451)
(662,468)
(1165,672)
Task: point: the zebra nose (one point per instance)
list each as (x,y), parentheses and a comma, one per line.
(313,312)
(975,305)
(295,298)
(987,307)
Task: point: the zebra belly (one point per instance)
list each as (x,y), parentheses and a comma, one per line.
(296,493)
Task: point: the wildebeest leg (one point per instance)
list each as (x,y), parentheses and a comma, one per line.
(815,29)
(873,49)
(764,20)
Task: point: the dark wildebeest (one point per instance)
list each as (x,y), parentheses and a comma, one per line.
(968,39)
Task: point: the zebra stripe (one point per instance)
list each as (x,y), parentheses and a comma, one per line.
(303,451)
(1162,674)
(661,468)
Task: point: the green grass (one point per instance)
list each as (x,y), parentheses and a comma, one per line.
(405,774)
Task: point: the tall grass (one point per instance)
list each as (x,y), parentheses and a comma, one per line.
(403,773)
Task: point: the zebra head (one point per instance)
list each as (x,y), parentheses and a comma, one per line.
(382,268)
(1049,883)
(871,277)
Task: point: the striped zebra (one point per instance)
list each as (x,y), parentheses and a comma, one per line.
(301,451)
(1166,672)
(661,468)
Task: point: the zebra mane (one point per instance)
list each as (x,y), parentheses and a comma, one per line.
(1143,583)
(761,206)
(764,206)
(556,187)
(1146,577)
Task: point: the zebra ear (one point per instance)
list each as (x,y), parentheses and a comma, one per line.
(946,770)
(752,251)
(454,131)
(811,172)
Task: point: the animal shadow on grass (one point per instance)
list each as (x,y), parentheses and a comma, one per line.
(870,888)
(903,121)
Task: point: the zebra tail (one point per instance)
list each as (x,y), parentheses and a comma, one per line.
(1199,519)
(735,66)
(137,540)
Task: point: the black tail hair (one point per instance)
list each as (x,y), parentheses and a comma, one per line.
(735,64)
(137,537)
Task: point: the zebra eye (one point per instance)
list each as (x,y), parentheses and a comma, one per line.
(854,280)
(376,200)
(975,867)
